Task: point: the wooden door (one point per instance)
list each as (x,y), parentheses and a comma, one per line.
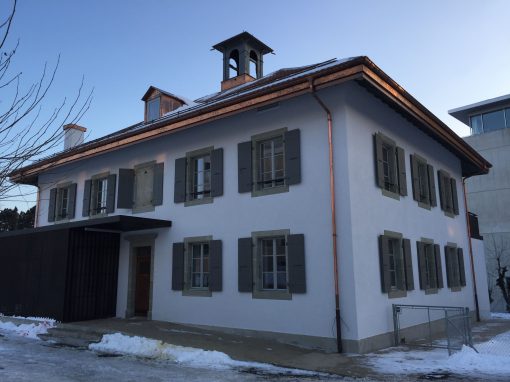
(143,280)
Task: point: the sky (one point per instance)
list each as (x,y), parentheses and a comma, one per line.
(446,53)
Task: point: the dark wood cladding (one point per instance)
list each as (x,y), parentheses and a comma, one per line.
(66,274)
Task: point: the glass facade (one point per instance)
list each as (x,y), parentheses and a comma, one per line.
(491,121)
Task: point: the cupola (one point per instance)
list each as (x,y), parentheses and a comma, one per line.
(242,59)
(159,102)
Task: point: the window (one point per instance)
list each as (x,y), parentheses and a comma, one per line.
(199,176)
(476,124)
(99,195)
(491,121)
(448,194)
(424,188)
(390,167)
(269,163)
(429,264)
(455,272)
(197,266)
(153,109)
(61,204)
(271,264)
(396,264)
(141,188)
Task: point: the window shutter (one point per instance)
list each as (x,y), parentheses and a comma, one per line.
(292,156)
(406,247)
(379,168)
(157,190)
(296,256)
(180,180)
(72,201)
(384,260)
(462,271)
(432,186)
(178,266)
(126,187)
(415,178)
(86,198)
(442,190)
(439,268)
(449,264)
(215,266)
(401,164)
(422,264)
(217,172)
(245,264)
(51,205)
(455,200)
(244,167)
(111,184)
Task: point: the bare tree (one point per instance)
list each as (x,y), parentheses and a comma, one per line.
(498,249)
(26,131)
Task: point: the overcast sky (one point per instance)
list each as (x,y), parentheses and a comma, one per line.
(445,53)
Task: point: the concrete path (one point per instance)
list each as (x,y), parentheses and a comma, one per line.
(246,348)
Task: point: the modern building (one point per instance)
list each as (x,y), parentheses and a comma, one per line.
(299,205)
(489,196)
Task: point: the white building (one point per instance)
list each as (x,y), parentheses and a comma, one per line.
(244,177)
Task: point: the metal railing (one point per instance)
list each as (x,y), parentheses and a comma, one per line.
(447,327)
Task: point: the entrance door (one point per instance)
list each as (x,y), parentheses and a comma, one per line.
(143,280)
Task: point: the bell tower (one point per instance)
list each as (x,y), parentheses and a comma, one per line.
(242,59)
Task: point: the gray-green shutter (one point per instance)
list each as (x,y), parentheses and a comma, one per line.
(51,205)
(415,178)
(180,180)
(110,193)
(178,266)
(442,190)
(439,267)
(462,270)
(72,201)
(157,189)
(455,200)
(244,167)
(449,265)
(126,188)
(85,211)
(401,164)
(384,260)
(379,167)
(216,265)
(245,264)
(296,267)
(293,156)
(432,186)
(406,247)
(217,172)
(422,264)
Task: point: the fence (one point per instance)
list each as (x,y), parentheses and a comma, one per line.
(445,327)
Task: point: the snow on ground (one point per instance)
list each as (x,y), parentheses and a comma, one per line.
(30,330)
(501,316)
(118,343)
(493,357)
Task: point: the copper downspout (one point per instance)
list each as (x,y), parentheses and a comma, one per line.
(333,218)
(471,250)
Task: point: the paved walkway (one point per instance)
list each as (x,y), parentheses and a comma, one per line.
(262,350)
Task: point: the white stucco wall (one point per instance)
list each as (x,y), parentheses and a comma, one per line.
(363,213)
(481,279)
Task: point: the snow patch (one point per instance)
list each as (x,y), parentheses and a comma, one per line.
(501,316)
(493,357)
(118,343)
(27,330)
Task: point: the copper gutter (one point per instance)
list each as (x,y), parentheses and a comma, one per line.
(468,224)
(333,217)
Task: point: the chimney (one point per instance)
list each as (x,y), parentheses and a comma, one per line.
(73,135)
(242,59)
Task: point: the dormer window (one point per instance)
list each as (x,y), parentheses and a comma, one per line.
(153,109)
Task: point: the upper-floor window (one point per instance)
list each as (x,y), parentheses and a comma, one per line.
(270,162)
(448,193)
(490,121)
(424,186)
(141,188)
(99,195)
(62,202)
(390,166)
(153,109)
